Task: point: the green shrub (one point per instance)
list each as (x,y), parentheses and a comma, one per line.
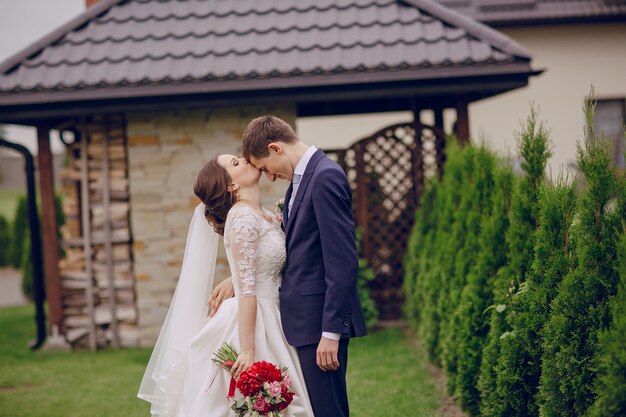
(5,241)
(27,271)
(533,153)
(433,277)
(610,386)
(581,307)
(519,366)
(19,232)
(477,294)
(474,206)
(365,276)
(419,251)
(26,261)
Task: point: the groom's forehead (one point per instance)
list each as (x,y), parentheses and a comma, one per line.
(257,162)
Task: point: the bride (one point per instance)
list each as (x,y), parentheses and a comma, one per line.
(181,379)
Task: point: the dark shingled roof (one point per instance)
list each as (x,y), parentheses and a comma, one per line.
(143,48)
(526,12)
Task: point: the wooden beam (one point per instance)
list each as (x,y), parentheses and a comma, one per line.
(462,121)
(361,199)
(86,232)
(106,197)
(418,156)
(440,143)
(50,237)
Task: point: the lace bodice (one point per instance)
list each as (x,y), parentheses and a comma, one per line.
(256,252)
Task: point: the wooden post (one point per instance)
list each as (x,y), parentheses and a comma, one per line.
(49,231)
(462,121)
(86,232)
(418,156)
(106,202)
(361,199)
(440,141)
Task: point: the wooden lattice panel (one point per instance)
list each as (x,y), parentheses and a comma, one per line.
(386,172)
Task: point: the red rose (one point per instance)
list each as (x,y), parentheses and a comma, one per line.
(287,399)
(248,384)
(265,371)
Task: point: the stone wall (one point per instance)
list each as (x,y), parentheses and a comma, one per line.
(165,152)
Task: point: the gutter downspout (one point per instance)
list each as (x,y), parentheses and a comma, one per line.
(35,247)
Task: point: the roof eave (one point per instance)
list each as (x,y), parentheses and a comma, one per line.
(28,108)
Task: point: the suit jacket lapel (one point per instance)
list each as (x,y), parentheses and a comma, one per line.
(306,178)
(286,206)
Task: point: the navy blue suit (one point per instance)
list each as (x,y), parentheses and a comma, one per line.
(319,286)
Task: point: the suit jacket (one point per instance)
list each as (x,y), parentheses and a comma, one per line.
(319,287)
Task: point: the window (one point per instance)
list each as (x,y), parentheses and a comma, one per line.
(609,120)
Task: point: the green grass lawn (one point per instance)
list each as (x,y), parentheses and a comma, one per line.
(8,201)
(386,377)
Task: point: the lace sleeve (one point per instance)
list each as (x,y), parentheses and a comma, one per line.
(243,234)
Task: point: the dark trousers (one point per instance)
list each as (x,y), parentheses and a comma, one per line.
(327,390)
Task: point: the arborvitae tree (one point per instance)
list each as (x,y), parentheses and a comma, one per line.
(5,241)
(475,201)
(448,203)
(610,384)
(533,153)
(19,232)
(581,307)
(477,294)
(519,366)
(419,249)
(450,248)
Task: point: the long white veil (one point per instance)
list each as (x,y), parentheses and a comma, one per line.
(163,380)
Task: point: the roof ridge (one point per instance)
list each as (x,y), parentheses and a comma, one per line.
(57,34)
(473,27)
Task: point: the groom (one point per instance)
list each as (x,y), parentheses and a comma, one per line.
(319,303)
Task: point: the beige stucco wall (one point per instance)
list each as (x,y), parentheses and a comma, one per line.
(165,152)
(574,57)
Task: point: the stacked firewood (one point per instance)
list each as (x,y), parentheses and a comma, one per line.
(97,258)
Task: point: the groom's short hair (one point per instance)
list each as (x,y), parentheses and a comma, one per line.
(262,131)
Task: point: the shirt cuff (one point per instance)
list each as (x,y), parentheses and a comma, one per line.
(331,336)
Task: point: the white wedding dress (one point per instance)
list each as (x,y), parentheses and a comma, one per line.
(255,248)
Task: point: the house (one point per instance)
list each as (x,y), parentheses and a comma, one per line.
(144,91)
(579,43)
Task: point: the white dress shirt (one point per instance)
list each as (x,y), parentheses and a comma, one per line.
(297,177)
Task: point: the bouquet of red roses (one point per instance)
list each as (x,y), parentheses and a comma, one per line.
(266,388)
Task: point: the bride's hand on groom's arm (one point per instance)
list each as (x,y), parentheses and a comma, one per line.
(222,291)
(327,358)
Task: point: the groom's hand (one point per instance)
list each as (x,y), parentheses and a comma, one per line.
(222,291)
(327,358)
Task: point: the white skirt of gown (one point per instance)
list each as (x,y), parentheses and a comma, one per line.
(206,386)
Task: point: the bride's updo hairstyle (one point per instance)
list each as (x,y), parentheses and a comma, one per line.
(211,188)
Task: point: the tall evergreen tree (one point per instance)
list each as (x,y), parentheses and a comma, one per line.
(474,204)
(19,233)
(610,384)
(533,153)
(450,248)
(581,307)
(477,294)
(519,365)
(435,276)
(419,250)
(5,241)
